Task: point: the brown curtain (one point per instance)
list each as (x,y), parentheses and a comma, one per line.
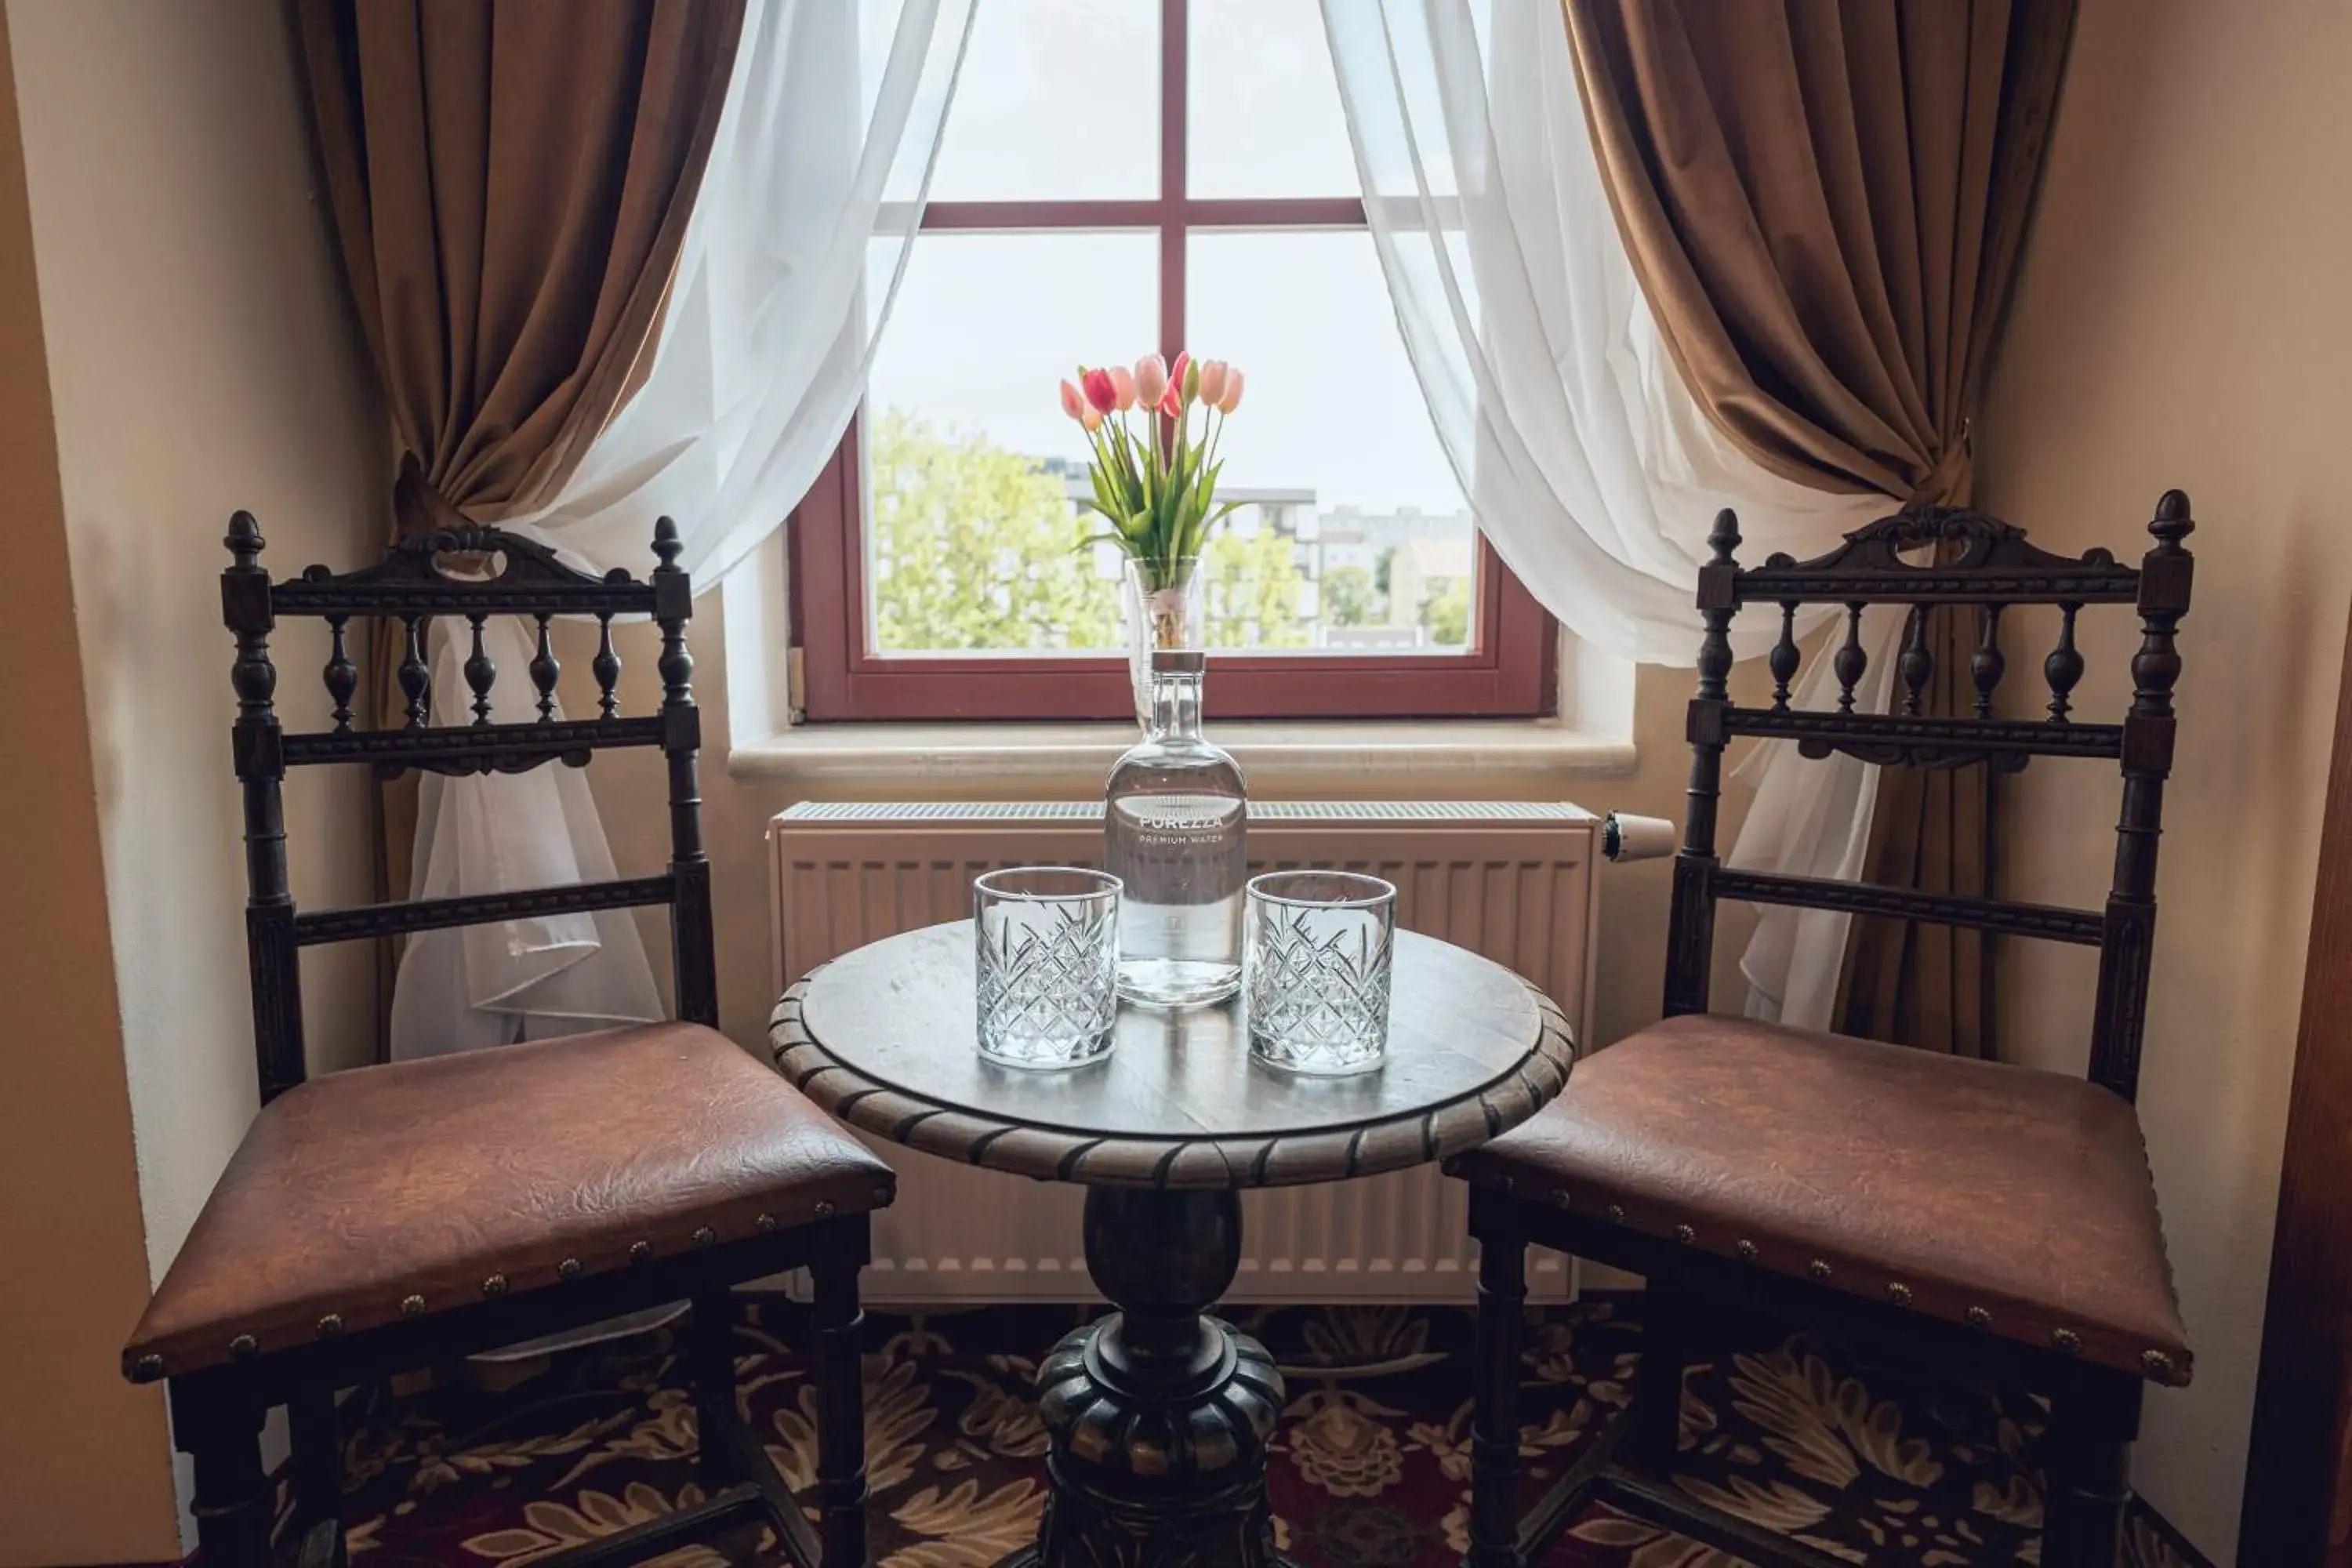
(1824,201)
(511,181)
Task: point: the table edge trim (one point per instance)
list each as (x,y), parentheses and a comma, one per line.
(1175,1161)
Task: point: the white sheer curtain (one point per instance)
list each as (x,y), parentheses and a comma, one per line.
(786,277)
(1587,463)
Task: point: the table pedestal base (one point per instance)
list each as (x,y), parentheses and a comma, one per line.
(1158,1416)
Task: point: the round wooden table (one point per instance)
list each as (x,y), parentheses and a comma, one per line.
(1158,1414)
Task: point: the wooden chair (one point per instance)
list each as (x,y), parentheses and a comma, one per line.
(1962,1210)
(390,1216)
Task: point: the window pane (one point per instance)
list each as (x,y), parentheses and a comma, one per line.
(1264,118)
(1058,101)
(971,525)
(1333,432)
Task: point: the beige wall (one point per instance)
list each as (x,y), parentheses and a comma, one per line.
(201,357)
(2184,318)
(81,1470)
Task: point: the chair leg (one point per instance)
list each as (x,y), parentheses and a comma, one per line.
(315,1437)
(1653,1429)
(841,1412)
(1494,1419)
(222,1433)
(2092,1419)
(710,1355)
(314,1433)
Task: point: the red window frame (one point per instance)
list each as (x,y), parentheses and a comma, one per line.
(1509,670)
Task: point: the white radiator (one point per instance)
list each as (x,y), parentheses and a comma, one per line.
(1513,881)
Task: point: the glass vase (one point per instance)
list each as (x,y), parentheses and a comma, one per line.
(1175,814)
(1163,607)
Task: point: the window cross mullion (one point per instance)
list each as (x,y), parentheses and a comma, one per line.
(1175,61)
(1228,212)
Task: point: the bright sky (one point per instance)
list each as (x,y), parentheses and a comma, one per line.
(1061,98)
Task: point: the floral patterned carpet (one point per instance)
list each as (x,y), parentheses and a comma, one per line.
(1370,1464)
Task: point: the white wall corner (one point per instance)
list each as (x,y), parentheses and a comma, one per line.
(757,623)
(1596,689)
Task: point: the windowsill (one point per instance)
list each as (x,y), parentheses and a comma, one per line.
(1338,757)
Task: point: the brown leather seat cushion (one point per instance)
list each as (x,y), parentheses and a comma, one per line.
(2016,1200)
(492,1170)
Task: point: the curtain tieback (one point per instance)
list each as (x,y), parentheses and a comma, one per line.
(1950,481)
(417,504)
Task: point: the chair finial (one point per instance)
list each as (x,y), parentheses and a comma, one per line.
(244,540)
(668,547)
(2172,523)
(1725,537)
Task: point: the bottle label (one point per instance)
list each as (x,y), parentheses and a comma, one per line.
(1178,820)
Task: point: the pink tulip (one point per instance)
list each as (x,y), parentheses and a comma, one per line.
(1071,403)
(1176,373)
(1232,397)
(1100,391)
(1213,381)
(1089,416)
(1170,402)
(1151,379)
(1122,381)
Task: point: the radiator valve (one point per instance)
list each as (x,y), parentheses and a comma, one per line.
(1624,836)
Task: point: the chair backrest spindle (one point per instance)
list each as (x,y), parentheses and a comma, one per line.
(481,670)
(2063,669)
(1784,658)
(545,670)
(1986,664)
(606,668)
(416,680)
(1917,665)
(342,676)
(1852,662)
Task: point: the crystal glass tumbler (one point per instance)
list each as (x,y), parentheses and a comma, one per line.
(1316,953)
(1048,941)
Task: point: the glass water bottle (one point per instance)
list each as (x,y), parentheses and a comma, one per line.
(1173,819)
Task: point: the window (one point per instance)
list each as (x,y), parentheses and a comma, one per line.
(1116,174)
